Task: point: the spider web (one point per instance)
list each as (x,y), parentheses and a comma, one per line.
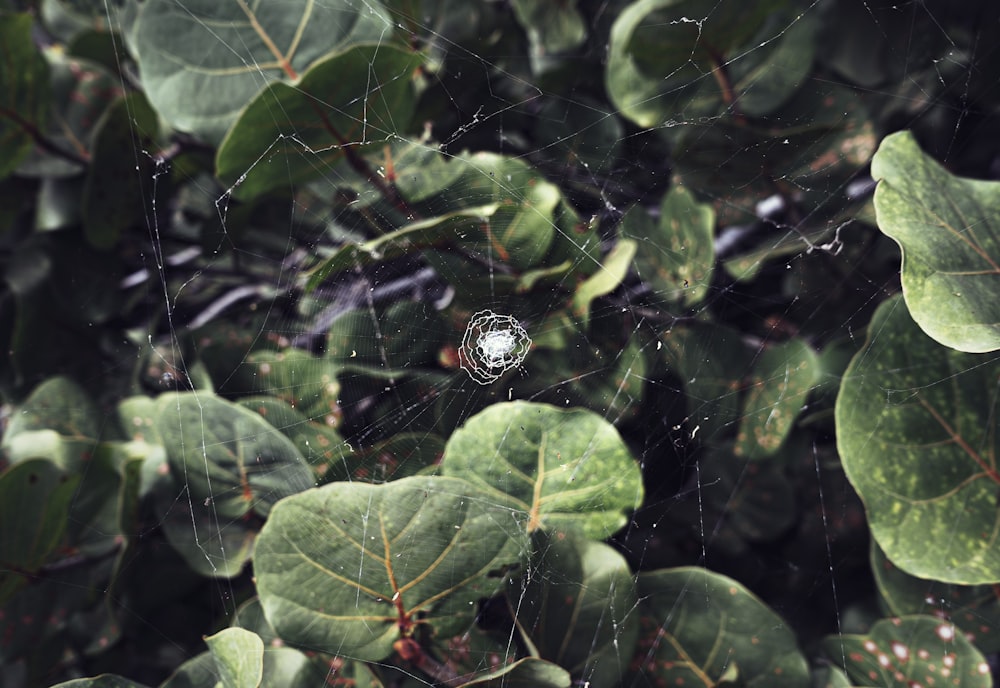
(392,355)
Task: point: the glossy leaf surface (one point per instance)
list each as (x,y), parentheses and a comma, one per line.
(203,62)
(947,229)
(907,403)
(352,567)
(556,468)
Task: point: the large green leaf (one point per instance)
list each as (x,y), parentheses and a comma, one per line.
(675,254)
(35,498)
(578,606)
(24,91)
(58,421)
(558,468)
(974,609)
(917,434)
(663,52)
(291,134)
(203,61)
(446,230)
(525,673)
(239,657)
(614,269)
(911,651)
(227,455)
(947,228)
(350,568)
(701,628)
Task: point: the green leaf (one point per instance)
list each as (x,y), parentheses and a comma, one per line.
(552,27)
(557,468)
(360,96)
(24,91)
(906,404)
(321,446)
(613,270)
(305,382)
(227,455)
(351,568)
(914,650)
(782,378)
(973,609)
(57,421)
(662,51)
(578,606)
(239,657)
(946,227)
(675,254)
(442,230)
(203,62)
(35,497)
(525,673)
(701,628)
(102,681)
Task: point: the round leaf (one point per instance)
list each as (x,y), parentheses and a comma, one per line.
(912,651)
(239,657)
(947,229)
(917,435)
(201,63)
(358,96)
(227,455)
(558,468)
(578,607)
(701,628)
(350,568)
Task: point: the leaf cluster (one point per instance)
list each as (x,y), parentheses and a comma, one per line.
(240,243)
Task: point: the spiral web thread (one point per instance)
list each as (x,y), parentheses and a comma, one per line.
(492,345)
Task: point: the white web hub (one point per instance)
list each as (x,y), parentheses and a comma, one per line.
(492,345)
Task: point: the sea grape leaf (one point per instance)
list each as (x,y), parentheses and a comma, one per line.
(525,673)
(702,628)
(557,468)
(239,657)
(578,606)
(675,254)
(552,27)
(782,378)
(913,650)
(662,52)
(102,681)
(192,527)
(521,230)
(973,609)
(442,230)
(320,445)
(57,421)
(35,497)
(227,455)
(613,270)
(907,403)
(350,567)
(946,228)
(305,382)
(24,91)
(361,95)
(203,62)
